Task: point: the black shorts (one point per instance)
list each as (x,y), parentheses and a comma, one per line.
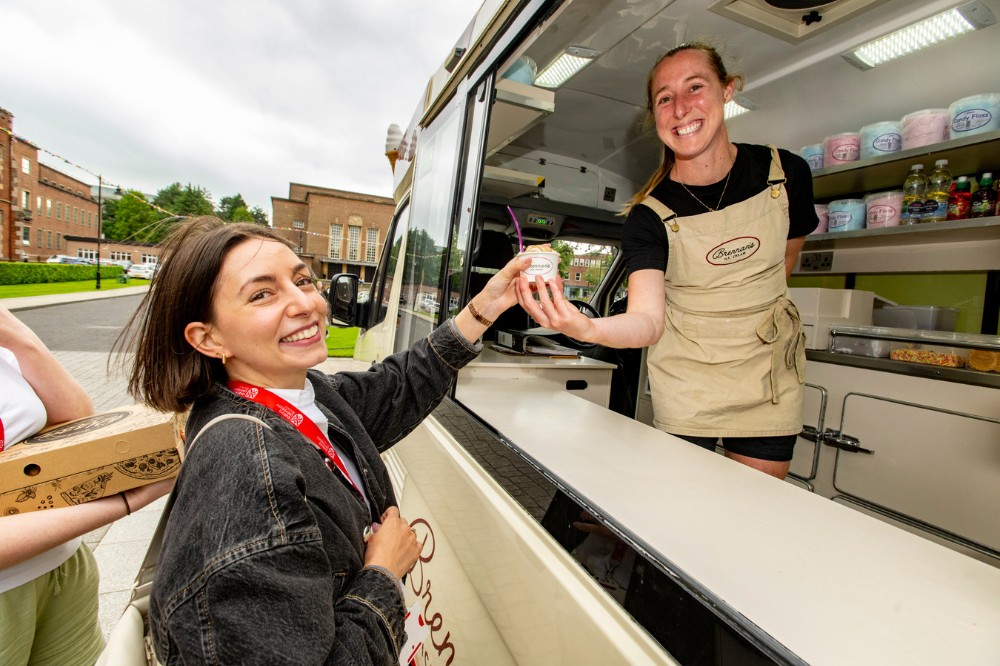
(775,449)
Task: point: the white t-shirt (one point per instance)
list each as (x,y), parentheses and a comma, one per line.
(23,415)
(305,400)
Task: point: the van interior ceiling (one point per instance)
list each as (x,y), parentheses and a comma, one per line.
(584,143)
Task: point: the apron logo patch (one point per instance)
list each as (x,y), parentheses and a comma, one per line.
(733,251)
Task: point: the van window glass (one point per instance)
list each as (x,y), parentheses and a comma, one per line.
(427,238)
(381,291)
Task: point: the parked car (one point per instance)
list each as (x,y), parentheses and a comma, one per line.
(141,271)
(429,304)
(64,259)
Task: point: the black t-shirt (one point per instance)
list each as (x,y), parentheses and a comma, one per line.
(644,236)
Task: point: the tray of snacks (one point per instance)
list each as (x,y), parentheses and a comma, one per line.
(939,348)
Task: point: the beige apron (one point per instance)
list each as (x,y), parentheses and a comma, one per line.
(731,361)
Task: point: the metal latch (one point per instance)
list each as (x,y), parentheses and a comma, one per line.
(810,433)
(843,442)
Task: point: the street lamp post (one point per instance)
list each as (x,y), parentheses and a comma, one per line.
(100,214)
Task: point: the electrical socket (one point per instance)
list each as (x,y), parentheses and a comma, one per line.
(816,262)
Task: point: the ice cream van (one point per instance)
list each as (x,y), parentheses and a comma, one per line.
(882,546)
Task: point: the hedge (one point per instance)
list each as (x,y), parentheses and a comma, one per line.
(34,273)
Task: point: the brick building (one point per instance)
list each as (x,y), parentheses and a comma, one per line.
(593,265)
(334,231)
(39,206)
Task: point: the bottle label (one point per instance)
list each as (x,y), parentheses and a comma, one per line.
(888,143)
(970,120)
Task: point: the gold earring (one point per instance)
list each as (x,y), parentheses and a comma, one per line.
(223,358)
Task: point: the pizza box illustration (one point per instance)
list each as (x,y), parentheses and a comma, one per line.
(90,458)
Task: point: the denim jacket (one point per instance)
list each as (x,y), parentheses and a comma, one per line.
(263,557)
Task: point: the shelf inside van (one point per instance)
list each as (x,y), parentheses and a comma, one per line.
(518,108)
(509,183)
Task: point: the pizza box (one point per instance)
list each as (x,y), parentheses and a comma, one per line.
(90,458)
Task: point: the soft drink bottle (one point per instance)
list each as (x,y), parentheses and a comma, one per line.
(960,201)
(914,189)
(938,191)
(984,201)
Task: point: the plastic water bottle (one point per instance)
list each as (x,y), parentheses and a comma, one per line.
(938,191)
(914,189)
(984,201)
(960,200)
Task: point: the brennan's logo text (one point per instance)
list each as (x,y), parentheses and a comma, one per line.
(733,251)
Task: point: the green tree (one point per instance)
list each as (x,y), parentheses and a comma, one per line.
(565,251)
(595,274)
(132,219)
(188,200)
(259,216)
(229,205)
(241,214)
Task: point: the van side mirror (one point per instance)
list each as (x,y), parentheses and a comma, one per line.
(343,300)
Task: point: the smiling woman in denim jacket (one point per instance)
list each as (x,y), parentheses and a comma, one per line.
(269,554)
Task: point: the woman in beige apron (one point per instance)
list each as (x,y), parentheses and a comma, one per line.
(709,242)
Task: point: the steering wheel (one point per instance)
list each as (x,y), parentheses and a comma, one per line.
(591,312)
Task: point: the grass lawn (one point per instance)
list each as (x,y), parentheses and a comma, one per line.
(340,342)
(46,288)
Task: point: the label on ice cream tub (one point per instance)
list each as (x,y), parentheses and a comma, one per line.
(838,219)
(882,216)
(846,153)
(971,120)
(888,143)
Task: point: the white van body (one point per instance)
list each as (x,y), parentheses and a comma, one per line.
(858,557)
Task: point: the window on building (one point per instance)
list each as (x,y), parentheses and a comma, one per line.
(48,240)
(48,207)
(25,165)
(75,212)
(336,238)
(25,199)
(26,235)
(58,210)
(353,243)
(371,245)
(577,277)
(149,258)
(121,256)
(298,224)
(89,255)
(58,241)
(38,204)
(38,239)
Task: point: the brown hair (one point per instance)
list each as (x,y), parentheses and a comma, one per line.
(167,373)
(667,161)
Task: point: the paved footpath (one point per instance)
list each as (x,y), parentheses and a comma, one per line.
(120,547)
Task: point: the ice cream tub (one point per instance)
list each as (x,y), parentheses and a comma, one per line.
(823,213)
(841,148)
(881,138)
(974,115)
(847,215)
(882,209)
(813,155)
(924,127)
(543,262)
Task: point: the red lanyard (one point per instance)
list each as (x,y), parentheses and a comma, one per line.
(299,421)
(1,435)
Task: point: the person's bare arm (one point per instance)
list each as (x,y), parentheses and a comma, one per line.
(25,535)
(641,325)
(63,397)
(792,249)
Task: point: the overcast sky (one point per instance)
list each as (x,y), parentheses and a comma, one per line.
(231,95)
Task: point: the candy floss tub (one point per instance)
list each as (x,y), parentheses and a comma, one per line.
(881,138)
(841,148)
(882,209)
(974,115)
(813,155)
(847,215)
(823,213)
(922,128)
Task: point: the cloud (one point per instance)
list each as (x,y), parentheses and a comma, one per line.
(233,96)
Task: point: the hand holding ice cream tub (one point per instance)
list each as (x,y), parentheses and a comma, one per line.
(544,262)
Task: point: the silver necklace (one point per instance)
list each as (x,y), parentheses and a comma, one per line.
(710,209)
